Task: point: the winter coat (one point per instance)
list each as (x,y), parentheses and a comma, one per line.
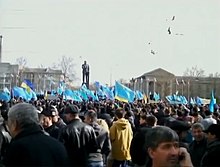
(121,135)
(31,147)
(79,140)
(197,150)
(211,156)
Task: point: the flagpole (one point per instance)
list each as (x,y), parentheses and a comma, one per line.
(147,86)
(188,89)
(4,81)
(154,84)
(0,48)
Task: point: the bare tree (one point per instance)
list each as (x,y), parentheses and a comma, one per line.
(22,62)
(194,72)
(66,64)
(214,75)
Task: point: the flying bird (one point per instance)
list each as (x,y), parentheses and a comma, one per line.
(169,31)
(173,18)
(178,34)
(152,52)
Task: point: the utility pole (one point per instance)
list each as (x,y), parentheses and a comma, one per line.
(0,48)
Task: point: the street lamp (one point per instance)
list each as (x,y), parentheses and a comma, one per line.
(188,89)
(155,80)
(147,86)
(4,76)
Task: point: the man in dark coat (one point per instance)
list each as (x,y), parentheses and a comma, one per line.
(30,146)
(138,150)
(211,156)
(78,137)
(46,119)
(198,146)
(5,137)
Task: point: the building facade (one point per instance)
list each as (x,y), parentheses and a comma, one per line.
(8,75)
(166,83)
(42,78)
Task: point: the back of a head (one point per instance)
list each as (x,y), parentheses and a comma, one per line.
(120,113)
(92,115)
(151,120)
(160,134)
(207,112)
(25,114)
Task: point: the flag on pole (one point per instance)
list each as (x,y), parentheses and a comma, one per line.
(183,82)
(212,102)
(177,83)
(123,93)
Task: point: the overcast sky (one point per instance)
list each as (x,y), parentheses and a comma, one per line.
(113,35)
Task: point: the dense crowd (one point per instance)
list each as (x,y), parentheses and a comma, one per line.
(108,133)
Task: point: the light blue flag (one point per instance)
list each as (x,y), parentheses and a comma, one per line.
(30,95)
(68,94)
(6,90)
(76,96)
(91,94)
(24,93)
(169,98)
(156,96)
(61,88)
(123,93)
(83,95)
(192,101)
(108,93)
(97,85)
(212,102)
(198,101)
(183,100)
(5,96)
(139,95)
(34,95)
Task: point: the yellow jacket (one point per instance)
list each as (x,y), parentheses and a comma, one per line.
(121,135)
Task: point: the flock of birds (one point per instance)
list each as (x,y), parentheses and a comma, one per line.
(169,32)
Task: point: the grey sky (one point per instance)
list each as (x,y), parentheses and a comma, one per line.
(113,35)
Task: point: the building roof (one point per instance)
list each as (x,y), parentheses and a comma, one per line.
(41,70)
(159,72)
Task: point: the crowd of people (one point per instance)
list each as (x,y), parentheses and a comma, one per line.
(108,133)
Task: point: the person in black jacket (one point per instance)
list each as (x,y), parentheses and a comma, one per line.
(5,137)
(211,156)
(46,120)
(78,137)
(139,140)
(29,145)
(198,146)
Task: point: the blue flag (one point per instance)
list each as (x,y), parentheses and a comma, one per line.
(212,102)
(5,96)
(123,93)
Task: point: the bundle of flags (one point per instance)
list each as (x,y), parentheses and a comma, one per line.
(103,91)
(23,93)
(176,99)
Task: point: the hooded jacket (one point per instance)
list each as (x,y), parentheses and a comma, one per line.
(103,142)
(121,135)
